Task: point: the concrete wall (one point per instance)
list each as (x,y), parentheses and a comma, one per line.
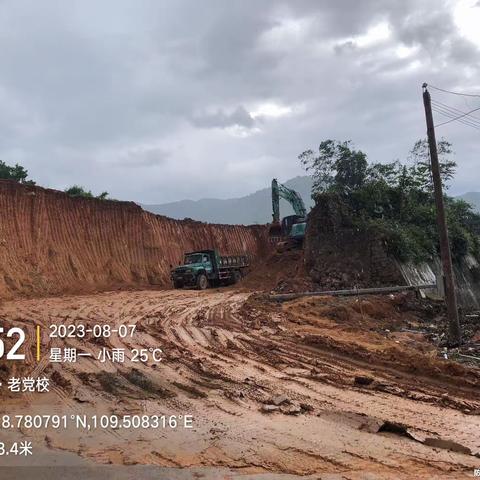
(467,279)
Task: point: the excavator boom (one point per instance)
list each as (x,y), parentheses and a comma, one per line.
(291,196)
(275,202)
(294,199)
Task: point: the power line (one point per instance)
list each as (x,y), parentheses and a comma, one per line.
(462,121)
(467,124)
(455,93)
(453,117)
(477,127)
(449,107)
(459,117)
(453,110)
(455,114)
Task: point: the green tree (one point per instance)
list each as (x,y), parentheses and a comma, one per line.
(395,199)
(16,173)
(420,156)
(78,191)
(336,166)
(102,196)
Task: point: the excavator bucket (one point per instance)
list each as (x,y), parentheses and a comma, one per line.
(275,231)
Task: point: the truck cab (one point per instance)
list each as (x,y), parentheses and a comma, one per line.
(199,261)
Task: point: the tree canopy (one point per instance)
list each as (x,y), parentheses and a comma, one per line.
(16,173)
(19,174)
(395,199)
(78,191)
(336,166)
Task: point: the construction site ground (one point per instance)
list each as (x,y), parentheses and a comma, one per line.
(331,388)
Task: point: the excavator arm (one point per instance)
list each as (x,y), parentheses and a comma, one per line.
(275,202)
(283,228)
(294,199)
(291,196)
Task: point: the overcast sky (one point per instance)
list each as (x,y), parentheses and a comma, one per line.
(156,101)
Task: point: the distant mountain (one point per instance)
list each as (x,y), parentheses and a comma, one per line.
(251,209)
(473,198)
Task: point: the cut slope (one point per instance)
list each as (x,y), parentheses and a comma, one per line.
(51,243)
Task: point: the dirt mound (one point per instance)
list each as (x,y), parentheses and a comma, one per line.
(280,272)
(378,330)
(340,256)
(51,243)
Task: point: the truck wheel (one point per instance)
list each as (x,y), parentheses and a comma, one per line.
(202,282)
(237,276)
(177,284)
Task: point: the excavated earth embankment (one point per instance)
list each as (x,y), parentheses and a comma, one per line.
(51,243)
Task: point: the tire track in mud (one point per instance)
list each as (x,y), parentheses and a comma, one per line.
(221,369)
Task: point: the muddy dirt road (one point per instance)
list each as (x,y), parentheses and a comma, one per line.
(271,391)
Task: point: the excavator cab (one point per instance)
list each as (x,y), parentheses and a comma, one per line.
(289,222)
(280,230)
(297,232)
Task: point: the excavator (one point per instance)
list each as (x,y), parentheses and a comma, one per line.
(290,231)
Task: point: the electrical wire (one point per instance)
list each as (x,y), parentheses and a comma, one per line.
(459,117)
(455,114)
(454,118)
(449,114)
(463,123)
(449,107)
(454,110)
(455,93)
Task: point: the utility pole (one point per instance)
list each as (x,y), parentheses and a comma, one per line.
(454,334)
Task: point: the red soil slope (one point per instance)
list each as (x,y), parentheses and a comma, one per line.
(51,243)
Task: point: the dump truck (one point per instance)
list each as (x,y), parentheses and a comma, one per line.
(204,268)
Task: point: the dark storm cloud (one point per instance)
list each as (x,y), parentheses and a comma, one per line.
(177,90)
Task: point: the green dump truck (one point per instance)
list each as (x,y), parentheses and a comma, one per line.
(204,268)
